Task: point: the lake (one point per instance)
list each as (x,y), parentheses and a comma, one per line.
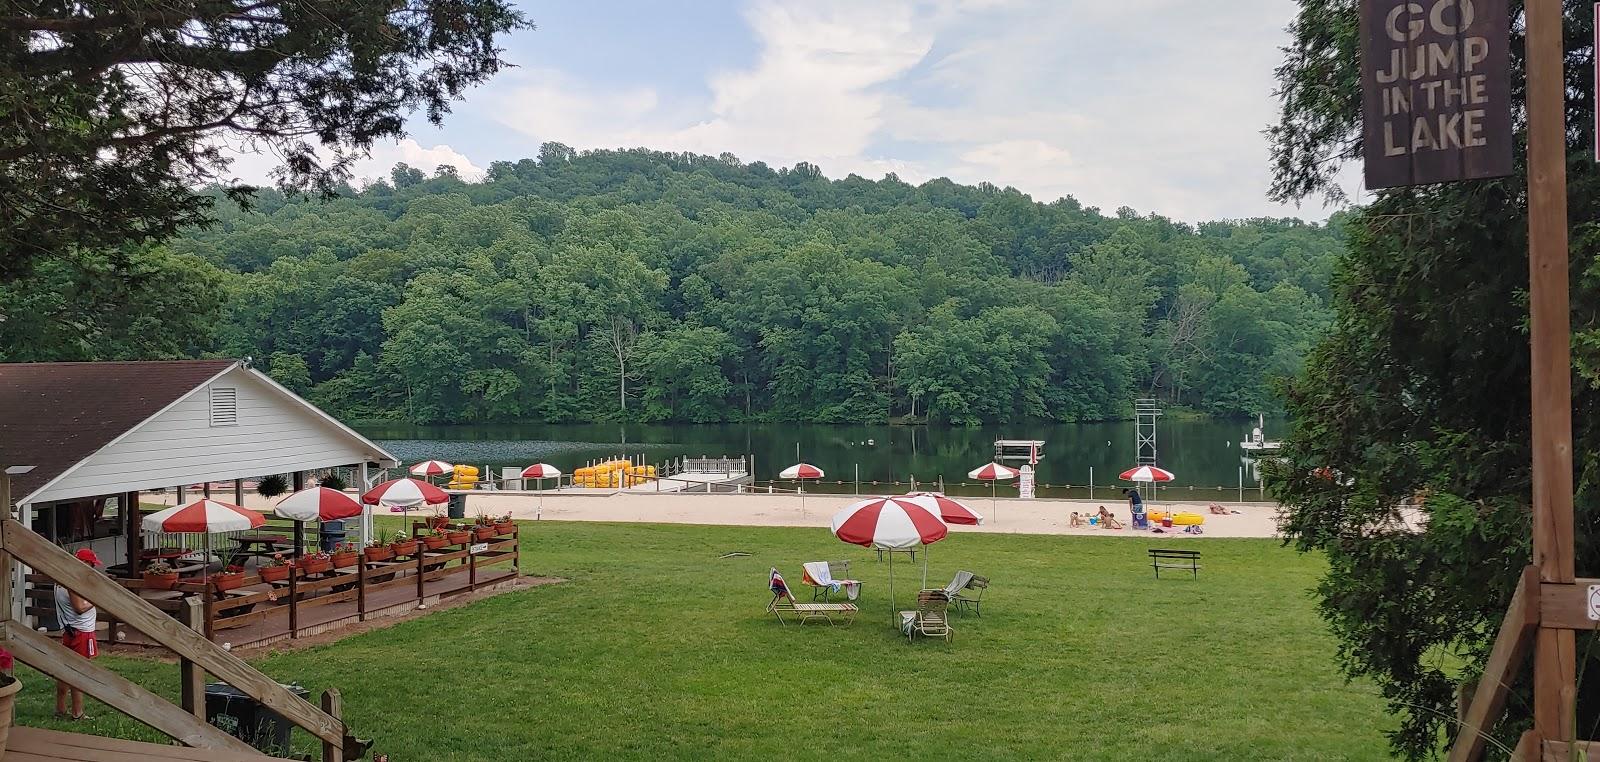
(1204,454)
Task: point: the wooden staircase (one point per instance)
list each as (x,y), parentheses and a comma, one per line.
(198,657)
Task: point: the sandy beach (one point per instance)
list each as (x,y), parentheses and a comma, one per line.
(1005,515)
(815,510)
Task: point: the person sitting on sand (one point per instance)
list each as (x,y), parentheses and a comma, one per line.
(1075,520)
(1219,510)
(1107,520)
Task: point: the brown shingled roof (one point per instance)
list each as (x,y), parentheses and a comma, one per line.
(55,414)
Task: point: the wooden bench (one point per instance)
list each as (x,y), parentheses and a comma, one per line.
(1187,560)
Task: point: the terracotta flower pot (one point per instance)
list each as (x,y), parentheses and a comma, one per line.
(227,581)
(459,536)
(436,523)
(435,541)
(315,565)
(160,581)
(8,700)
(345,560)
(378,553)
(505,527)
(484,533)
(274,573)
(406,548)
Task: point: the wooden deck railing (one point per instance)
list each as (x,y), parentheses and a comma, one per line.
(199,655)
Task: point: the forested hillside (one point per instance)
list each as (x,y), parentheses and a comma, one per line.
(651,286)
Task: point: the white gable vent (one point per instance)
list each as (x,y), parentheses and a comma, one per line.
(224,406)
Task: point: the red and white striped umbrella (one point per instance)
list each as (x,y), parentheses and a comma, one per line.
(432,468)
(950,510)
(889,522)
(541,471)
(992,472)
(1146,474)
(801,471)
(203,517)
(318,504)
(405,493)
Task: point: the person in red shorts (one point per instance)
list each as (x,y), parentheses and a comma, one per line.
(78,620)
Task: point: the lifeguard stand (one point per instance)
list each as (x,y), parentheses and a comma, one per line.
(1145,413)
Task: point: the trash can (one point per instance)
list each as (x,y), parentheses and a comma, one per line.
(332,533)
(246,719)
(458,505)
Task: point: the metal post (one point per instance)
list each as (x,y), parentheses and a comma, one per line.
(1241,484)
(858,480)
(366,510)
(1091,482)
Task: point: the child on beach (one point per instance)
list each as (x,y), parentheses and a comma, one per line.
(1107,520)
(1075,520)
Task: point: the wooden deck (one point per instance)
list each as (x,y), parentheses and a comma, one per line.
(40,745)
(274,625)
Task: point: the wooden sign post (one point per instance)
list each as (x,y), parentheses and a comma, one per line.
(1436,108)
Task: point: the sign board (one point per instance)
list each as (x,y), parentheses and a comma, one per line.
(1594,603)
(1435,91)
(1025,482)
(477,547)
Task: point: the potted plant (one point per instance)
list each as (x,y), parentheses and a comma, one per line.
(459,535)
(438,521)
(332,481)
(483,532)
(504,525)
(402,545)
(9,685)
(345,555)
(231,577)
(377,550)
(435,540)
(316,562)
(277,568)
(159,575)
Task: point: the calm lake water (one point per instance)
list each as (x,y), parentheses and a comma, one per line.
(1204,454)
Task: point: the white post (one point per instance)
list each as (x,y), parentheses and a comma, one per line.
(1241,484)
(365,526)
(1091,482)
(858,480)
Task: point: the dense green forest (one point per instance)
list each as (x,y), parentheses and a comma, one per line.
(654,286)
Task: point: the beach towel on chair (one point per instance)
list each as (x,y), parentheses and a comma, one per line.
(818,574)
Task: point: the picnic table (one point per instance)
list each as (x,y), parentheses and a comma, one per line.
(269,544)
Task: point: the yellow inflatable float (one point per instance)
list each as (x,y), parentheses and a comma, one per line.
(1178,519)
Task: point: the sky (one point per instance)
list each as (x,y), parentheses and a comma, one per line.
(1158,105)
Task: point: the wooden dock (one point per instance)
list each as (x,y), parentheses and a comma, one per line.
(40,745)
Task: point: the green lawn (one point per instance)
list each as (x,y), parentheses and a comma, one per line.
(655,648)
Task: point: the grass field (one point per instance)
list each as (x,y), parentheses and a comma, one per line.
(655,648)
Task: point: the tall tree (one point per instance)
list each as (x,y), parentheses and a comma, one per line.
(110,112)
(1420,396)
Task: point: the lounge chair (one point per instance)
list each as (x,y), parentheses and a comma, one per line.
(783,602)
(930,618)
(975,600)
(819,576)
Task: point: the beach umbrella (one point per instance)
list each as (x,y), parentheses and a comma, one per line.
(952,511)
(891,523)
(318,504)
(203,517)
(540,472)
(402,494)
(801,472)
(991,473)
(432,468)
(1149,474)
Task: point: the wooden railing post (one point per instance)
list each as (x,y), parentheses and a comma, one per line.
(294,608)
(361,587)
(192,677)
(333,705)
(472,568)
(420,555)
(1511,646)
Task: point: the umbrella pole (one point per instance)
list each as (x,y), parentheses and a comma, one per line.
(891,587)
(539,516)
(925,550)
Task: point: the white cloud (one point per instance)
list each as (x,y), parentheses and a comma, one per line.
(256,166)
